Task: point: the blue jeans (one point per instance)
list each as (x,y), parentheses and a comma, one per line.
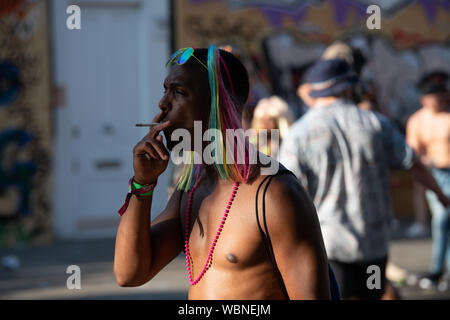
(440,223)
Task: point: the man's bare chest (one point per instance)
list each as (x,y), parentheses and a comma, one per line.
(238,243)
(435,129)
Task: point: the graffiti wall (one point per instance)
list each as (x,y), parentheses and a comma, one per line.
(279,39)
(25,125)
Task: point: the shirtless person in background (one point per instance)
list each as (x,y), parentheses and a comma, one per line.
(240,267)
(428,132)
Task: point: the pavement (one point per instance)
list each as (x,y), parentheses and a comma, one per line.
(42,274)
(38,272)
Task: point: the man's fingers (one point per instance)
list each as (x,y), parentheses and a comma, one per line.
(152,142)
(154,131)
(159,148)
(158,117)
(147,148)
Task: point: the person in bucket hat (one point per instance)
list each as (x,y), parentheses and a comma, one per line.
(343,156)
(330,78)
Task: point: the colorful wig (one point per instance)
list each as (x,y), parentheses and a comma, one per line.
(224,115)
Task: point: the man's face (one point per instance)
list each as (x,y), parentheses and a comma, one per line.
(436,101)
(186,99)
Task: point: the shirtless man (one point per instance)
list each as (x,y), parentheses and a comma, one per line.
(240,267)
(428,132)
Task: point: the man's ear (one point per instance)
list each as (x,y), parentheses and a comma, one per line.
(303,92)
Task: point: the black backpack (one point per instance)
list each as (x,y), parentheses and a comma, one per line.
(334,288)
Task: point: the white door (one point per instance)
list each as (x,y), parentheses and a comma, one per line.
(104,72)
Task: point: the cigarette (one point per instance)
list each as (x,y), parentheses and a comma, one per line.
(147,124)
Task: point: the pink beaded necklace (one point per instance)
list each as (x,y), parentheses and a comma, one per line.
(211,250)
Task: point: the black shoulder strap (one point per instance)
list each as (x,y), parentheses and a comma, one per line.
(334,287)
(265,234)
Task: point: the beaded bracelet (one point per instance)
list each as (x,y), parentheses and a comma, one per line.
(138,190)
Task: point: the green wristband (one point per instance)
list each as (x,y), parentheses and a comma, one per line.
(146,194)
(135,186)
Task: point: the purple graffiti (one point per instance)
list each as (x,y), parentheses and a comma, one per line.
(203,1)
(343,7)
(431,7)
(276,11)
(275,15)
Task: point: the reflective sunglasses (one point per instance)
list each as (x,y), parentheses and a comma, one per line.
(182,55)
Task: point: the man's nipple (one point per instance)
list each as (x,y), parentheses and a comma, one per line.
(232,258)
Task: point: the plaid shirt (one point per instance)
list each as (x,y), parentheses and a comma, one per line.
(343,155)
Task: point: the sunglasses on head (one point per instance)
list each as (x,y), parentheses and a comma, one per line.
(182,56)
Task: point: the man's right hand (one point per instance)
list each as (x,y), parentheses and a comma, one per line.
(150,156)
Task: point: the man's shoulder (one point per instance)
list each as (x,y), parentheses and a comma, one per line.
(279,174)
(299,124)
(285,188)
(309,122)
(416,117)
(377,120)
(413,126)
(369,114)
(287,204)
